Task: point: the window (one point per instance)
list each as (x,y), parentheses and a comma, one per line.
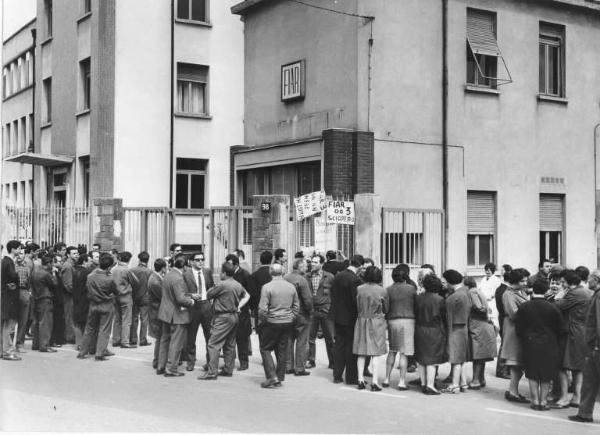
(552,57)
(84,71)
(85,166)
(483,51)
(86,6)
(192,88)
(8,140)
(481,228)
(48,9)
(27,71)
(195,10)
(292,81)
(31,133)
(47,101)
(23,135)
(5,83)
(551,211)
(191,183)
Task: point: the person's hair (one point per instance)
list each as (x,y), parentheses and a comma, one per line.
(172,246)
(47,259)
(125,256)
(369,260)
(159,264)
(357,260)
(227,268)
(331,255)
(320,257)
(541,263)
(82,259)
(571,277)
(276,269)
(423,273)
(71,248)
(432,283)
(453,277)
(96,246)
(266,257)
(506,275)
(373,275)
(405,267)
(144,257)
(297,263)
(540,286)
(428,266)
(515,276)
(469,282)
(583,272)
(240,253)
(507,267)
(106,260)
(524,272)
(490,266)
(279,253)
(399,274)
(233,258)
(31,247)
(180,261)
(58,246)
(82,249)
(12,244)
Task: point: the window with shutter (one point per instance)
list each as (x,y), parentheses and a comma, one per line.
(481,228)
(552,217)
(192,83)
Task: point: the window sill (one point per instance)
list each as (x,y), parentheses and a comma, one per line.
(481,90)
(194,22)
(46,41)
(20,91)
(84,16)
(46,125)
(82,112)
(192,115)
(551,99)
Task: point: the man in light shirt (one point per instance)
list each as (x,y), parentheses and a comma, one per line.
(488,286)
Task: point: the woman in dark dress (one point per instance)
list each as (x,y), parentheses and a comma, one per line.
(539,325)
(430,332)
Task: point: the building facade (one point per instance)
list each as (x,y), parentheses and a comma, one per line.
(137,100)
(483,109)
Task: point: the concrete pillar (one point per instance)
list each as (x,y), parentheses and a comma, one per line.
(270,229)
(107,223)
(367,227)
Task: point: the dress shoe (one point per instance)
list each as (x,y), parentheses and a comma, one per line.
(129,346)
(270,383)
(243,366)
(100,358)
(116,344)
(174,374)
(224,373)
(431,392)
(385,384)
(189,367)
(362,385)
(11,357)
(145,343)
(207,377)
(290,371)
(310,364)
(337,381)
(108,353)
(375,387)
(580,419)
(302,373)
(48,349)
(160,371)
(81,356)
(415,382)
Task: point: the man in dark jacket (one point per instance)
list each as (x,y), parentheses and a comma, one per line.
(344,313)
(301,329)
(260,277)
(140,301)
(332,265)
(43,286)
(155,289)
(9,299)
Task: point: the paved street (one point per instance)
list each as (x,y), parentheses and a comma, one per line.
(58,393)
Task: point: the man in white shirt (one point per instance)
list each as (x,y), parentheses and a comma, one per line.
(198,280)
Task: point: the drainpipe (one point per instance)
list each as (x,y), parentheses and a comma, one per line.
(171,146)
(597,212)
(445,127)
(33,168)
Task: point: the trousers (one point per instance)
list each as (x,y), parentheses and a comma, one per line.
(200,315)
(69,325)
(172,340)
(274,337)
(139,317)
(25,310)
(122,323)
(321,319)
(97,328)
(591,384)
(343,358)
(43,318)
(297,351)
(244,330)
(223,334)
(7,326)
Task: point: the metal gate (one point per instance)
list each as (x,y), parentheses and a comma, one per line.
(414,237)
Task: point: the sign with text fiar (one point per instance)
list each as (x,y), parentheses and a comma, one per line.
(340,212)
(310,204)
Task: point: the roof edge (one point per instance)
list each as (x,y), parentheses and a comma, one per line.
(246,6)
(23,27)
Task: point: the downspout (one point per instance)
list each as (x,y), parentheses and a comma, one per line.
(33,168)
(445,127)
(596,202)
(171,146)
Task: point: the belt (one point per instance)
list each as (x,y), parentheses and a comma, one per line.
(224,312)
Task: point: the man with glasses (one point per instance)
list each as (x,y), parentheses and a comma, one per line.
(198,280)
(9,298)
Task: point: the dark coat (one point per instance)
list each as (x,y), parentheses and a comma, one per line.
(344,310)
(430,329)
(260,277)
(322,294)
(81,302)
(140,293)
(155,290)
(243,277)
(305,296)
(574,307)
(43,284)
(190,281)
(539,326)
(10,290)
(175,302)
(333,266)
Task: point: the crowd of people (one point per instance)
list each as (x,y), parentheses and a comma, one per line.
(549,323)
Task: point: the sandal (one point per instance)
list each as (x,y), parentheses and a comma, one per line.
(451,390)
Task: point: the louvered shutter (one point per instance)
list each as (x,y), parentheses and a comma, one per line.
(190,72)
(551,213)
(481,32)
(481,213)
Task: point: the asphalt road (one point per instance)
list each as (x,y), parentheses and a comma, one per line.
(59,393)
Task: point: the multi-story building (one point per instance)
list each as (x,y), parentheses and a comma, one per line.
(483,109)
(17,114)
(138,100)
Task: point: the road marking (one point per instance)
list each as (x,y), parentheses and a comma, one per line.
(526,414)
(379,393)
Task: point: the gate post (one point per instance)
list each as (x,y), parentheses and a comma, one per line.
(367,227)
(107,223)
(270,228)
